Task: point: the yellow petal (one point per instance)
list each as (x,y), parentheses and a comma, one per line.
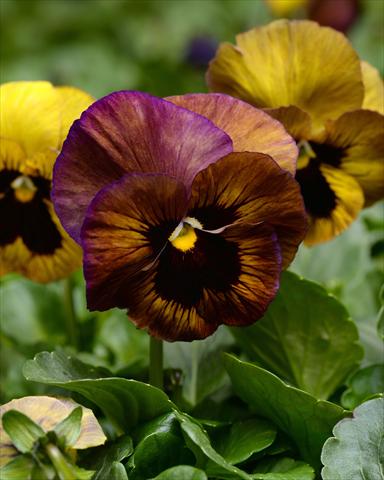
(361,135)
(374,88)
(73,102)
(283,8)
(291,63)
(48,412)
(349,202)
(30,116)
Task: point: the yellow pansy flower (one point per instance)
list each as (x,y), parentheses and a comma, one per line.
(34,120)
(311,79)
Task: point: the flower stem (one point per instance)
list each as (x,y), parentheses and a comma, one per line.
(72,328)
(156,362)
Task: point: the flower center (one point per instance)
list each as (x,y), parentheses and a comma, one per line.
(184,236)
(24,188)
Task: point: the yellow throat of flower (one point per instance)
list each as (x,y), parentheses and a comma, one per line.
(184,236)
(24,188)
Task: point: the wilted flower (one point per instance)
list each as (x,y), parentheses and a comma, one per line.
(40,435)
(311,79)
(175,226)
(35,119)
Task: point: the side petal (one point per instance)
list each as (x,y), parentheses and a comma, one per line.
(373,88)
(349,200)
(30,116)
(361,135)
(291,63)
(250,189)
(130,132)
(250,129)
(126,228)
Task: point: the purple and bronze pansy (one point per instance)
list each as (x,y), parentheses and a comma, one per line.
(186,208)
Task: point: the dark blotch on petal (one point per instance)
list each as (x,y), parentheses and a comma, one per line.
(327,153)
(213,264)
(318,196)
(214,216)
(31,220)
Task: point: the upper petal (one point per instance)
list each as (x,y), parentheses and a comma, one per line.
(250,189)
(30,116)
(126,228)
(291,63)
(128,132)
(373,88)
(250,129)
(73,102)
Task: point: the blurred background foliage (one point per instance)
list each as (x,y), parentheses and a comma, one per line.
(162,47)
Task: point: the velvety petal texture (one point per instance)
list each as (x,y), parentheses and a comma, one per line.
(361,136)
(181,266)
(128,132)
(35,118)
(291,63)
(250,129)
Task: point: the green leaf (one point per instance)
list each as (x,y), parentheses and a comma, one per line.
(23,431)
(362,385)
(244,439)
(306,337)
(283,469)
(380,316)
(161,446)
(114,452)
(199,437)
(117,472)
(345,268)
(32,313)
(125,402)
(182,472)
(69,429)
(193,357)
(301,416)
(18,469)
(357,449)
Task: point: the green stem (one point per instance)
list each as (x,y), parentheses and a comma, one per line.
(156,362)
(59,462)
(72,328)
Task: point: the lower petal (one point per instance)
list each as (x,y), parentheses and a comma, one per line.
(348,201)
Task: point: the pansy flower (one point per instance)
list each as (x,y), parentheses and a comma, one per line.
(310,78)
(178,222)
(35,119)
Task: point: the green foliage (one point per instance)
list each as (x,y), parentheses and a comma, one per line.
(182,472)
(125,402)
(306,337)
(23,431)
(283,469)
(362,385)
(357,449)
(104,457)
(301,416)
(245,438)
(18,469)
(68,430)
